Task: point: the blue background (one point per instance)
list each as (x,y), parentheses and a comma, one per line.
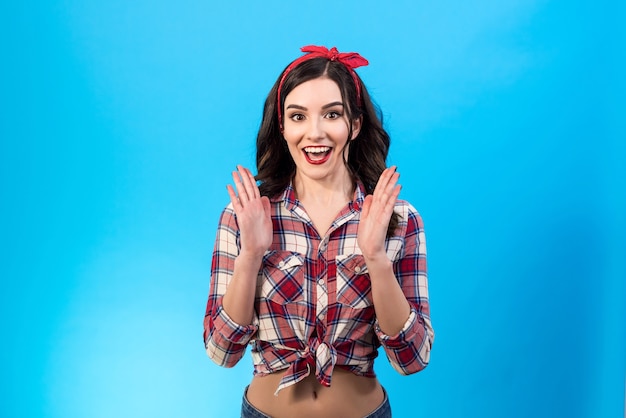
(120,123)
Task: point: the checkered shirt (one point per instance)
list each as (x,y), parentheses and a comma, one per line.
(313,304)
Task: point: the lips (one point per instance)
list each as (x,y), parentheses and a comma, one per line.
(317,155)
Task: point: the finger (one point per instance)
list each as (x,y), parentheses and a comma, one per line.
(385,200)
(255,189)
(390,196)
(367,204)
(396,192)
(267,206)
(233,198)
(383,180)
(381,210)
(248,184)
(241,190)
(385,192)
(392,183)
(393,198)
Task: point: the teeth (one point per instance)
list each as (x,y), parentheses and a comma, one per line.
(316,150)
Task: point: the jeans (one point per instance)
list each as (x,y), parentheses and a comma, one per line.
(249,411)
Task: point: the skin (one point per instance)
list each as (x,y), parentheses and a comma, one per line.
(315,117)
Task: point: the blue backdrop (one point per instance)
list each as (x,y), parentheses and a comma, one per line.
(121,121)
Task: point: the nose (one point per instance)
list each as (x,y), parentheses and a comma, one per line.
(315,129)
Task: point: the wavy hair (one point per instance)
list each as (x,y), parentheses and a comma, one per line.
(367,152)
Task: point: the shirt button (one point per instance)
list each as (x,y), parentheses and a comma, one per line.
(281,264)
(322,282)
(322,316)
(357,269)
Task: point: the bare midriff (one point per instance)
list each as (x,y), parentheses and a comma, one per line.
(348,396)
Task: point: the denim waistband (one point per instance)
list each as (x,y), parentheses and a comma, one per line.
(249,411)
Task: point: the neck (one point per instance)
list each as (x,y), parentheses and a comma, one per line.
(324,192)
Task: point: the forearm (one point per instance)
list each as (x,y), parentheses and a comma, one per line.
(400,296)
(238,301)
(403,330)
(390,304)
(228,322)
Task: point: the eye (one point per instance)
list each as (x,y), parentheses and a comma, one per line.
(333,114)
(296,117)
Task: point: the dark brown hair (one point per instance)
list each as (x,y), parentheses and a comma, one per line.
(367,152)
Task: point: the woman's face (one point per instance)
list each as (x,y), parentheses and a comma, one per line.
(316,129)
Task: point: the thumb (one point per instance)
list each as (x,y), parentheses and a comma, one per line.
(267,208)
(367,204)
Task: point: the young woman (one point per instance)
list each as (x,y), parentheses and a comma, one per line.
(320,264)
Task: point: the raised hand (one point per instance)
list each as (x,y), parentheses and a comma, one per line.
(253,213)
(376,213)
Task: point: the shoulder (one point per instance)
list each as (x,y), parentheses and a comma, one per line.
(228,210)
(410,223)
(407,212)
(410,231)
(228,218)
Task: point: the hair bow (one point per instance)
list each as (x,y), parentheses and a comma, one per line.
(351,60)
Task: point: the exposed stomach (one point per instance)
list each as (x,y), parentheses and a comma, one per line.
(348,396)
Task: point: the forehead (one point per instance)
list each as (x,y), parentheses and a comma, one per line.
(321,89)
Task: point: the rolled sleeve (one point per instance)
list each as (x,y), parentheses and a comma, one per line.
(225,340)
(230,331)
(408,351)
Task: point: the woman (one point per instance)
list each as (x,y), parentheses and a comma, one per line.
(321,263)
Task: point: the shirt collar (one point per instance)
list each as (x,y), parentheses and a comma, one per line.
(289,197)
(359,197)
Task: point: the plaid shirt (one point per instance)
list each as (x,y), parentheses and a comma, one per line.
(313,305)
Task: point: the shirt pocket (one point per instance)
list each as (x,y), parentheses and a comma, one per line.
(282,277)
(353,281)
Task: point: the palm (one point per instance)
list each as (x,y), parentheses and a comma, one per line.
(253,213)
(376,213)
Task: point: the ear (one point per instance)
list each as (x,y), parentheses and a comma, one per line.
(356,127)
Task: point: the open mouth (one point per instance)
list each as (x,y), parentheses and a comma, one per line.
(317,155)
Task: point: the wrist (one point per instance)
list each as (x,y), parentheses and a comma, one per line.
(251,259)
(378,263)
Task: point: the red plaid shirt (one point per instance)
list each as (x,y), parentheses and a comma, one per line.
(313,305)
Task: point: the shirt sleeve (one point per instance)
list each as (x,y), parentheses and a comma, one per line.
(225,340)
(409,350)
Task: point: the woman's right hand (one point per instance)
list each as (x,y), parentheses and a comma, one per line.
(253,213)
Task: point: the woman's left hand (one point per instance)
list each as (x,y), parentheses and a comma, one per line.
(376,213)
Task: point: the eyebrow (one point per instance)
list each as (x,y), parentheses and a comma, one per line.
(326,106)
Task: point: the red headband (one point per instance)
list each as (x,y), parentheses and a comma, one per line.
(351,60)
